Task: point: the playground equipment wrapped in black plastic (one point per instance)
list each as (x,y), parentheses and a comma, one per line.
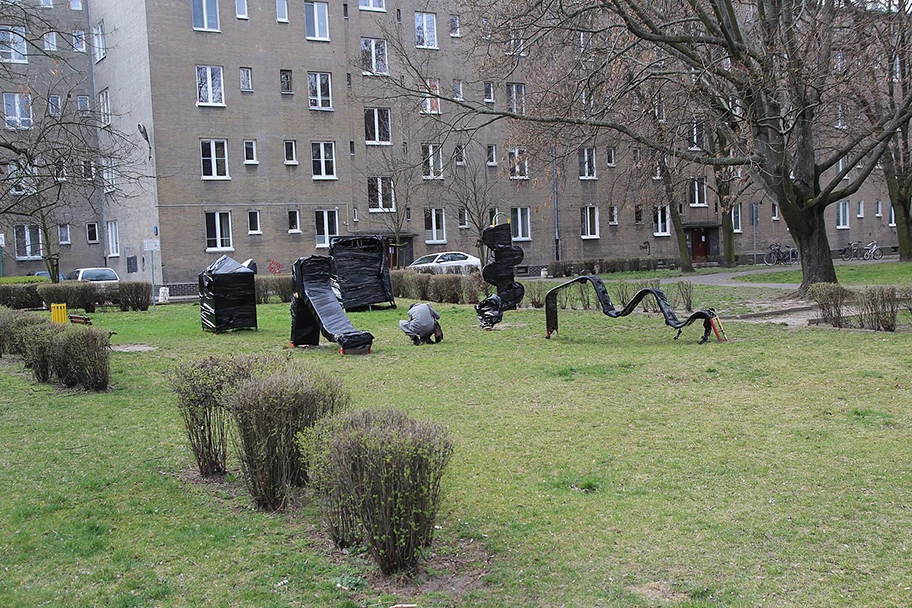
(359,265)
(228,295)
(499,239)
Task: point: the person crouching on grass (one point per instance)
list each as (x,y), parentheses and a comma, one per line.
(420,324)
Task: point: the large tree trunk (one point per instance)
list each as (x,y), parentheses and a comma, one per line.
(903,229)
(683,251)
(808,228)
(728,239)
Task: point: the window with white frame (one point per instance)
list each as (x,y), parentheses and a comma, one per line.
(521,223)
(355,217)
(660,216)
(250,152)
(205,15)
(22,178)
(775,211)
(492,155)
(587,163)
(286,82)
(516,97)
(455,31)
(430,103)
(434,226)
(841,116)
(377,126)
(316,20)
(589,222)
(878,209)
(842,215)
(518,162)
(47,3)
(60,170)
(459,155)
(99,46)
(697,134)
(457,90)
(246,79)
(86,170)
(103,101)
(82,105)
(54,107)
(612,215)
(92,233)
(253,222)
(380,195)
(859,211)
(282,11)
(489,91)
(214,157)
(218,231)
(463,217)
(113,239)
(432,161)
(696,194)
(63,234)
(736,218)
(326,222)
(209,90)
(294,221)
(373,56)
(79,41)
(17,110)
(108,175)
(291,151)
(76,5)
(29,245)
(372,5)
(840,166)
(13,46)
(425,30)
(611,156)
(323,159)
(516,44)
(240,9)
(319,90)
(892,221)
(50,41)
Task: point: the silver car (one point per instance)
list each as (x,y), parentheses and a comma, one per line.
(96,275)
(447,261)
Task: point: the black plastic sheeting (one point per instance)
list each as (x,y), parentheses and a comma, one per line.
(315,309)
(227,296)
(608,308)
(499,273)
(359,264)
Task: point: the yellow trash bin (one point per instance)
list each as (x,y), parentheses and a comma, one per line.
(58,313)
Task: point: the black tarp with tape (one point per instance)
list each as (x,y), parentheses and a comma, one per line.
(227,296)
(359,265)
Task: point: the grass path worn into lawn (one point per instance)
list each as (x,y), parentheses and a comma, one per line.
(609,466)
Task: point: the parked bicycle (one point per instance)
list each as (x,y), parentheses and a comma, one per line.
(778,255)
(873,251)
(854,250)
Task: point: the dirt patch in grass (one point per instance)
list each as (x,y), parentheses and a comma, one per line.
(133,348)
(660,592)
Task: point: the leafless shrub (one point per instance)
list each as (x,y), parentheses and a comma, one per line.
(685,291)
(878,307)
(832,299)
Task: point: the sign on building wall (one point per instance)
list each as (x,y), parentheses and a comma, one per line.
(152,245)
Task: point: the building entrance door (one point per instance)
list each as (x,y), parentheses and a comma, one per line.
(699,245)
(396,255)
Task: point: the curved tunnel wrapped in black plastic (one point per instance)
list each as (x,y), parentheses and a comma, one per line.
(315,309)
(227,296)
(499,273)
(359,265)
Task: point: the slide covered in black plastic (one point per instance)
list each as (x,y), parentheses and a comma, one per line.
(499,273)
(228,295)
(608,308)
(315,309)
(359,264)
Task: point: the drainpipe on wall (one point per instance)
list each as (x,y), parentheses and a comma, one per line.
(557,246)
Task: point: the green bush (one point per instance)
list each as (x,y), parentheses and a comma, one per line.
(13,324)
(446,288)
(390,465)
(81,357)
(572,268)
(878,308)
(21,295)
(134,295)
(269,286)
(270,408)
(261,289)
(38,348)
(833,300)
(200,387)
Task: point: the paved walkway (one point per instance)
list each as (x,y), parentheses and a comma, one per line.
(727,279)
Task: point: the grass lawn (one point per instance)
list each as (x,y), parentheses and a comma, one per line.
(849,274)
(608,466)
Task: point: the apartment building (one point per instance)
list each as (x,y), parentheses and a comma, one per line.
(267,127)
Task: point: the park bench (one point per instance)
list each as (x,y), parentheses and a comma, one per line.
(80,319)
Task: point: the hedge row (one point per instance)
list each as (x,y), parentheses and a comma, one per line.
(270,287)
(573,268)
(446,288)
(128,295)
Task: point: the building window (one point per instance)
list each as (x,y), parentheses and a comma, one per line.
(697,135)
(775,211)
(516,44)
(426,30)
(434,226)
(842,215)
(635,157)
(589,222)
(79,41)
(316,21)
(291,151)
(50,41)
(53,106)
(214,156)
(878,209)
(612,215)
(660,220)
(108,175)
(373,56)
(327,225)
(463,218)
(516,97)
(282,11)
(492,155)
(253,222)
(455,31)
(250,155)
(104,107)
(22,178)
(113,239)
(459,155)
(432,161)
(76,5)
(12,44)
(205,15)
(28,242)
(92,233)
(82,105)
(285,82)
(246,79)
(355,217)
(488,92)
(587,163)
(60,172)
(380,196)
(457,90)
(892,221)
(63,234)
(87,170)
(294,221)
(736,217)
(17,109)
(323,155)
(98,40)
(372,5)
(611,157)
(696,193)
(519,163)
(377,126)
(860,209)
(209,86)
(430,103)
(240,9)
(319,90)
(218,231)
(520,223)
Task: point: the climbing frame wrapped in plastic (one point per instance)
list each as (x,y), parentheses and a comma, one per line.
(228,295)
(499,273)
(359,266)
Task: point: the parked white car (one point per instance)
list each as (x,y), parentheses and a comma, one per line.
(96,275)
(447,261)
